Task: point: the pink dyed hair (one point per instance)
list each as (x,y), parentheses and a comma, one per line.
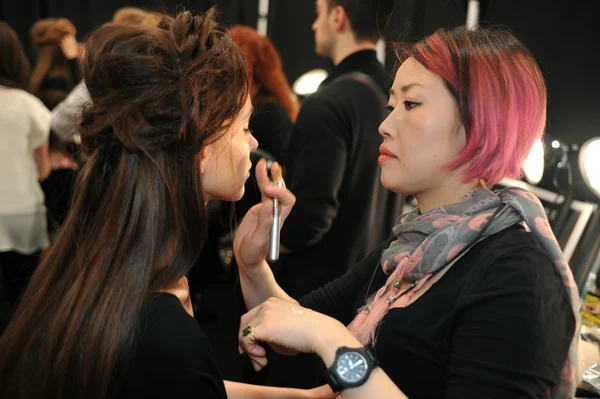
(500,93)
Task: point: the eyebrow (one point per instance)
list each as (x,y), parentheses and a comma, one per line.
(405,88)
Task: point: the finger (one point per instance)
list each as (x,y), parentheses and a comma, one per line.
(248,343)
(263,225)
(284,195)
(261,361)
(258,365)
(262,178)
(249,317)
(269,190)
(259,352)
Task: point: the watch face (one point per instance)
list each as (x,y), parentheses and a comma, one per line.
(352,367)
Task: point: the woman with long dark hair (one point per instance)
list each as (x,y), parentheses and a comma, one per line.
(107,314)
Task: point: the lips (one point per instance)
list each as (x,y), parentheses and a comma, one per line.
(386,152)
(385,155)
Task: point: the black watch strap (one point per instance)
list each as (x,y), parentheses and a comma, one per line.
(331,375)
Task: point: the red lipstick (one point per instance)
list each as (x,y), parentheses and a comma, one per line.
(385,155)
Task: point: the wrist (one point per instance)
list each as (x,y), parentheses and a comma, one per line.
(327,344)
(251,272)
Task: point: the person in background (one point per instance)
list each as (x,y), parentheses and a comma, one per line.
(136,16)
(57,52)
(108,312)
(66,116)
(471,296)
(332,157)
(24,161)
(54,75)
(342,210)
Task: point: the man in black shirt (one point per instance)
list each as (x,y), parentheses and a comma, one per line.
(342,210)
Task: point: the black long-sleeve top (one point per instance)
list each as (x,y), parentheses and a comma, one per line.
(498,324)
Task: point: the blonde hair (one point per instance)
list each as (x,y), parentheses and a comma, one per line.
(136,16)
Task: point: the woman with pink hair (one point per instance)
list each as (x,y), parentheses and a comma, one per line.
(471,296)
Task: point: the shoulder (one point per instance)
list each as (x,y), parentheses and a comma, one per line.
(512,262)
(29,100)
(350,87)
(28,108)
(515,243)
(338,102)
(170,332)
(172,357)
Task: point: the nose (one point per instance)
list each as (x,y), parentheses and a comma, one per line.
(385,128)
(252,143)
(314,26)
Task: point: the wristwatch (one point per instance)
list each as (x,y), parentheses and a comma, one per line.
(351,367)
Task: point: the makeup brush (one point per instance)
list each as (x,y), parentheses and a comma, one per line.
(275,228)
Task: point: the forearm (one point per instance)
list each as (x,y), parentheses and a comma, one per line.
(259,284)
(42,161)
(378,386)
(237,390)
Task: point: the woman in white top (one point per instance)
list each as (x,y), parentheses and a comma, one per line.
(24,161)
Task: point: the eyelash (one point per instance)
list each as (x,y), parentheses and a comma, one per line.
(247,130)
(408,105)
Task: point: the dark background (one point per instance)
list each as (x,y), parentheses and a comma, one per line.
(564,36)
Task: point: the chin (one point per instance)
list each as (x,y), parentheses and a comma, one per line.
(239,195)
(394,186)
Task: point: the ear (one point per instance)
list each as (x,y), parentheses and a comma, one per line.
(338,18)
(205,154)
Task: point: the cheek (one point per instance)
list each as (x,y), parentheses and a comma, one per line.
(437,142)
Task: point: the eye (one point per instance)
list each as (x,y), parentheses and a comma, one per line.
(247,130)
(389,109)
(410,105)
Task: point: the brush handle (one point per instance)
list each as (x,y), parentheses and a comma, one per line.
(275,229)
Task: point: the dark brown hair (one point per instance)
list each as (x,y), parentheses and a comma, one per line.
(264,66)
(14,66)
(368,18)
(137,223)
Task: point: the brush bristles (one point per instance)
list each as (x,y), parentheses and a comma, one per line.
(277,176)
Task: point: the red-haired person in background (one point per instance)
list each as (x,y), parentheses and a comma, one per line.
(471,296)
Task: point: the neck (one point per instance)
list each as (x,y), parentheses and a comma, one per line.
(349,46)
(444,195)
